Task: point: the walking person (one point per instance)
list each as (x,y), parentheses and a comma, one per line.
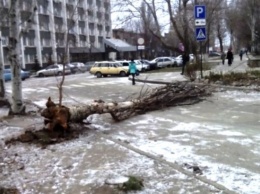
(223,57)
(185,60)
(241,54)
(230,57)
(132,70)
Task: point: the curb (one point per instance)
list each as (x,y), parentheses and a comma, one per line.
(212,85)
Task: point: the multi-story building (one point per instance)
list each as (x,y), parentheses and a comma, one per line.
(85,22)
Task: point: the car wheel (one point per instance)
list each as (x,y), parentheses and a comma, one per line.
(41,75)
(59,73)
(122,73)
(175,64)
(99,75)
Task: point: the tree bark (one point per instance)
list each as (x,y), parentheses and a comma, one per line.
(17,106)
(163,97)
(2,79)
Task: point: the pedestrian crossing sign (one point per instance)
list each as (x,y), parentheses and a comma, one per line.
(200,33)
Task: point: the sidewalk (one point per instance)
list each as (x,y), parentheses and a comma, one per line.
(153,146)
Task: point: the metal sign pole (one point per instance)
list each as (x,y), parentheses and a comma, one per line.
(200,24)
(201,68)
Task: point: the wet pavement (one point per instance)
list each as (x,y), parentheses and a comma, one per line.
(219,135)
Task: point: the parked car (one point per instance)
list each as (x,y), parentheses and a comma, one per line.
(214,54)
(51,70)
(89,64)
(178,60)
(77,67)
(162,62)
(146,63)
(105,68)
(140,66)
(8,74)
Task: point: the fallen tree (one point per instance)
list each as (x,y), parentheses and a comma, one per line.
(180,93)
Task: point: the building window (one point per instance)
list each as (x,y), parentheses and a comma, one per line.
(4,41)
(4,3)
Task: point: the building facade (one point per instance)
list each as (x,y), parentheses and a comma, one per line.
(85,22)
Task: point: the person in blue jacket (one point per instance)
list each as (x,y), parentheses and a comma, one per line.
(132,70)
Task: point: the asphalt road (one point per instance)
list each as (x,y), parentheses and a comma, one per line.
(220,135)
(78,88)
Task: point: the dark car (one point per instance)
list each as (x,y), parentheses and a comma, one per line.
(214,54)
(89,64)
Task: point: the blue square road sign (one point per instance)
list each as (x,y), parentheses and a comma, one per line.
(201,33)
(200,11)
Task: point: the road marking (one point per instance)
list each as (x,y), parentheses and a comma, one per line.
(68,87)
(77,86)
(52,87)
(86,84)
(41,89)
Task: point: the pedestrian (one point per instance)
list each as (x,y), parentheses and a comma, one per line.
(241,54)
(223,57)
(230,57)
(185,60)
(132,70)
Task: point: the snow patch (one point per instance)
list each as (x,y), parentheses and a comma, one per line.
(230,133)
(8,133)
(186,127)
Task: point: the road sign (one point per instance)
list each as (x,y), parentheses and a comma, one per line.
(140,41)
(140,47)
(200,11)
(200,22)
(200,33)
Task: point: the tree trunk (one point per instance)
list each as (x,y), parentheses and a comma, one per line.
(163,97)
(2,79)
(17,106)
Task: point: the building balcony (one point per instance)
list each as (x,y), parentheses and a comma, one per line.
(58,29)
(100,33)
(102,9)
(57,13)
(46,43)
(81,3)
(81,31)
(5,23)
(81,17)
(29,43)
(91,20)
(43,9)
(91,32)
(60,43)
(70,1)
(44,28)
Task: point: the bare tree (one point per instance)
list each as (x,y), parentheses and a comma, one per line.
(15,33)
(177,18)
(2,79)
(14,52)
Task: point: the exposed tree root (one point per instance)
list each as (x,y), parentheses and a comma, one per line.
(175,94)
